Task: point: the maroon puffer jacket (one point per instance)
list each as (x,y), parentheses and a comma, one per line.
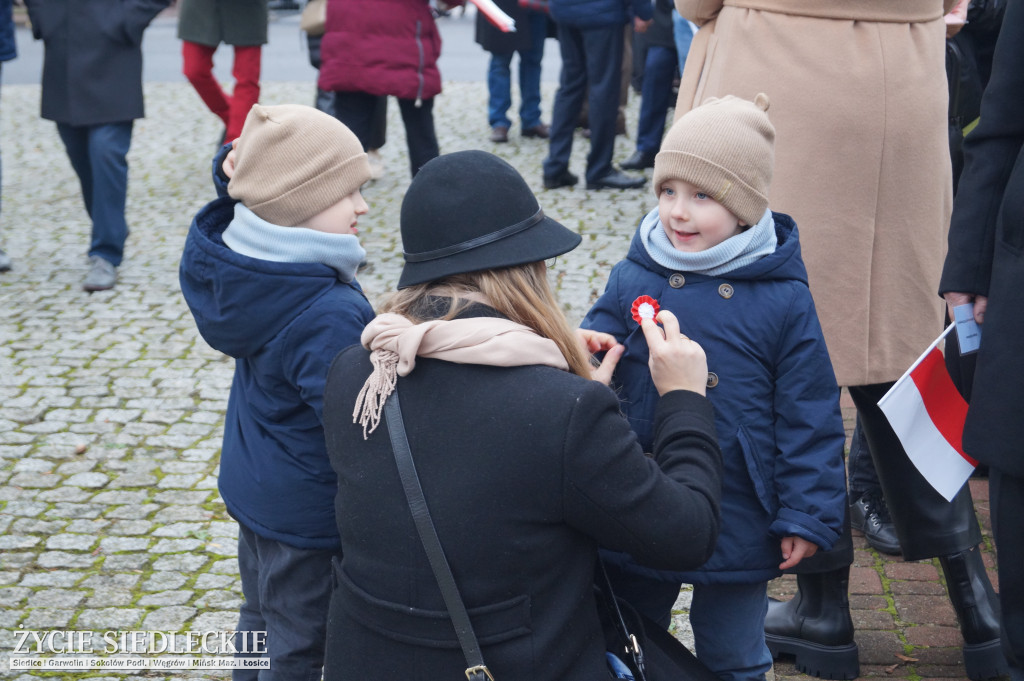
(381,47)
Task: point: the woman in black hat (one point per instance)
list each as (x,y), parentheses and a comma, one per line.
(525,462)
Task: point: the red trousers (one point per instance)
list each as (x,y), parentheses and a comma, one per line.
(232,109)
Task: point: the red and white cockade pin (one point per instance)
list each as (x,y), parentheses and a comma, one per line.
(644,307)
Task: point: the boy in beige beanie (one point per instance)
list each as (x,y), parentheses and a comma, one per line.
(729,268)
(268,272)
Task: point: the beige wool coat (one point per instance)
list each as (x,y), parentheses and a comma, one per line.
(859,103)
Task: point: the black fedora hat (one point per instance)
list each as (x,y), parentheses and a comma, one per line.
(469,211)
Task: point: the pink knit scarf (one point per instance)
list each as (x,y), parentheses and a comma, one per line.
(395,343)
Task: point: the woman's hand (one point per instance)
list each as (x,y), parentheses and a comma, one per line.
(955,299)
(595,342)
(676,362)
(794,550)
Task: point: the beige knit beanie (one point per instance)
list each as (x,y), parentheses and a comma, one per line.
(726,147)
(293,161)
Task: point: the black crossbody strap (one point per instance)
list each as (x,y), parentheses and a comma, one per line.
(476,669)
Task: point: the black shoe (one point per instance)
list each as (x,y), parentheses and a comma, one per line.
(562,179)
(815,626)
(977,609)
(540,131)
(638,161)
(5,261)
(617,179)
(870,515)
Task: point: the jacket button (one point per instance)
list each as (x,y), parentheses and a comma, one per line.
(726,291)
(712,379)
(676,280)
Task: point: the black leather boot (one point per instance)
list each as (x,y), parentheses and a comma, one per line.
(977,609)
(815,626)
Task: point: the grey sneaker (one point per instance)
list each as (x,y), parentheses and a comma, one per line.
(5,261)
(102,275)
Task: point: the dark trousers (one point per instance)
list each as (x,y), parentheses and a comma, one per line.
(356,110)
(860,468)
(591,57)
(1006,496)
(656,97)
(98,153)
(287,592)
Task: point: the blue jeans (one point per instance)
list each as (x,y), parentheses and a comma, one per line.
(590,57)
(98,153)
(656,96)
(287,592)
(499,79)
(728,629)
(683,32)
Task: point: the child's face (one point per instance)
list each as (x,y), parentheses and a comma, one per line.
(341,218)
(693,220)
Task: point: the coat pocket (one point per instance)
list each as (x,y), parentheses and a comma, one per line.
(761,479)
(495,623)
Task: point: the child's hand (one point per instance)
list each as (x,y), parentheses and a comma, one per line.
(676,362)
(795,549)
(594,342)
(229,161)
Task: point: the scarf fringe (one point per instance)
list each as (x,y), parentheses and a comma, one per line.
(375,391)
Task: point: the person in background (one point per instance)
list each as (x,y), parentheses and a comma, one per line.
(591,38)
(202,26)
(528,41)
(8,51)
(92,90)
(984,267)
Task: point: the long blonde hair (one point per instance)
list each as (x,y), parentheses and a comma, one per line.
(520,293)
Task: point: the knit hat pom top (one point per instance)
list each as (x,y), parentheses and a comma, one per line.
(293,162)
(725,147)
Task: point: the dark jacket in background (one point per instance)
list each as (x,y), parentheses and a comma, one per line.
(92,66)
(8,47)
(661,33)
(595,13)
(282,323)
(232,22)
(986,254)
(526,470)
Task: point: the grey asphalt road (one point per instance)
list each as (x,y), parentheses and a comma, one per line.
(285,58)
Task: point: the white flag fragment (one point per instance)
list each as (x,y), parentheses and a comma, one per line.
(927,412)
(496,15)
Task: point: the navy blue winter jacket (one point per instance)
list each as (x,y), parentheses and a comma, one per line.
(283,323)
(775,397)
(597,13)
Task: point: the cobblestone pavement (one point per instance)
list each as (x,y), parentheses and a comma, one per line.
(111,406)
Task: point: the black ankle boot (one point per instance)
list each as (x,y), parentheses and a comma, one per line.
(977,609)
(815,626)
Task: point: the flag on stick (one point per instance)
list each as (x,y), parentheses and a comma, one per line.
(496,15)
(927,412)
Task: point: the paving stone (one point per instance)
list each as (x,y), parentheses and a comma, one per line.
(55,598)
(109,619)
(75,542)
(170,618)
(166,598)
(159,581)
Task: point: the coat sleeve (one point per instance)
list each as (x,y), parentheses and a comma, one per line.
(605,315)
(137,16)
(809,432)
(699,11)
(665,517)
(991,152)
(322,336)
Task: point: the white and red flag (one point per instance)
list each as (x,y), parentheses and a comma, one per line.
(927,412)
(494,14)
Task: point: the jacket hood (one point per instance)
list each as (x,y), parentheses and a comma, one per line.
(784,263)
(240,303)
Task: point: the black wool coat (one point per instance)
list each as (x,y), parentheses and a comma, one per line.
(92,64)
(526,471)
(986,254)
(232,22)
(493,39)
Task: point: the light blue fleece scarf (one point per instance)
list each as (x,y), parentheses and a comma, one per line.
(733,253)
(251,235)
